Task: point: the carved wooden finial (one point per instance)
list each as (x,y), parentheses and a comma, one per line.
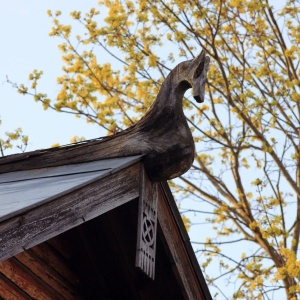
(162,135)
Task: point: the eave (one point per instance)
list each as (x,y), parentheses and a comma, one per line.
(59,214)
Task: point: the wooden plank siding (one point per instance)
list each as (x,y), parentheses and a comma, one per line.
(11,291)
(28,276)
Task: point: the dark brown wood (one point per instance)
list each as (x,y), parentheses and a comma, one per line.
(162,135)
(106,250)
(186,240)
(47,274)
(96,259)
(41,223)
(53,259)
(10,291)
(147,225)
(29,283)
(105,258)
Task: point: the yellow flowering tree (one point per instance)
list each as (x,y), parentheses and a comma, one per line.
(10,138)
(246,172)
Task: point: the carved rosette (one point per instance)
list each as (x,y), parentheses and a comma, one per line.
(147,226)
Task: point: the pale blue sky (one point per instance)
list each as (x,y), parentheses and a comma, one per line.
(25,45)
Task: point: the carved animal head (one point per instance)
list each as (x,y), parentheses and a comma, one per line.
(194,73)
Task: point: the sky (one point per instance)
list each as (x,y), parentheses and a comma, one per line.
(25,46)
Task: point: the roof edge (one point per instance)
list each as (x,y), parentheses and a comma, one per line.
(186,240)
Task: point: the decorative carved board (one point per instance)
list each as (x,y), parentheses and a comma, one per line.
(147,225)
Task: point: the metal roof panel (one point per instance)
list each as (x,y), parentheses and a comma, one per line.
(23,190)
(104,164)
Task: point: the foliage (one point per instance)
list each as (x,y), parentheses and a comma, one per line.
(247,167)
(11,138)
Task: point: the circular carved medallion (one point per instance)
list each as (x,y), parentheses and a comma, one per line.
(148,231)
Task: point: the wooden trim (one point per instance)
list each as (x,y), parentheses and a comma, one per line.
(147,225)
(187,277)
(186,240)
(59,215)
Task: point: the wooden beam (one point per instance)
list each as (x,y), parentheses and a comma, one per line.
(26,281)
(59,215)
(51,277)
(10,291)
(54,260)
(187,278)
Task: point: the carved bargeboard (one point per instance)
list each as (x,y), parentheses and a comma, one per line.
(147,225)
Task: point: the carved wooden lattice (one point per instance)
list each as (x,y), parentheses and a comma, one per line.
(147,224)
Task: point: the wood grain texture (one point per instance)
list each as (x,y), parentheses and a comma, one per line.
(162,135)
(59,215)
(51,257)
(47,274)
(186,276)
(23,190)
(108,242)
(10,291)
(29,283)
(147,225)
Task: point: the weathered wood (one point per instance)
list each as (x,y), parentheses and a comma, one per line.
(10,291)
(147,226)
(162,135)
(53,259)
(29,283)
(186,276)
(122,228)
(51,277)
(186,240)
(22,190)
(59,215)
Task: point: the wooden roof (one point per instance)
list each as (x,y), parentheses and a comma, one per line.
(50,208)
(102,209)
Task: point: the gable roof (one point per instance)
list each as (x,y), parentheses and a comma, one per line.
(41,204)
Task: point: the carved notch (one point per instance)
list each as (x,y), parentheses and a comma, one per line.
(147,225)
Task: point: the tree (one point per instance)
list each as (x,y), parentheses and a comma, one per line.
(12,137)
(247,167)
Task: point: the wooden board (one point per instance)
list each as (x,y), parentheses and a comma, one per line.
(147,226)
(183,265)
(59,215)
(23,190)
